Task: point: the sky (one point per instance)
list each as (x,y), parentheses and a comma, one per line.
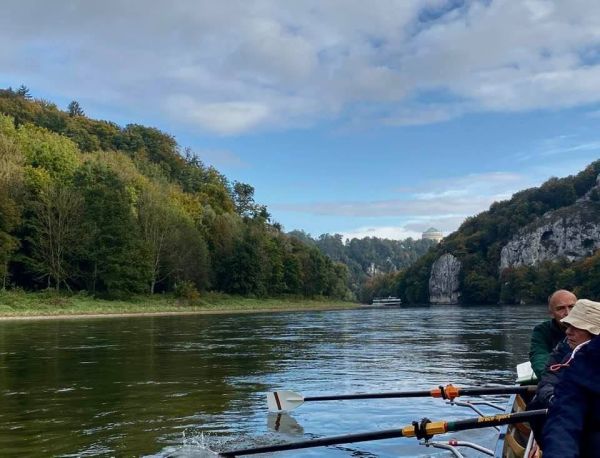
(379,118)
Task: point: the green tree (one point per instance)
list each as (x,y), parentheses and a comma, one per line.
(10,189)
(75,109)
(479,288)
(55,233)
(23,92)
(275,252)
(588,272)
(163,226)
(243,198)
(46,150)
(187,256)
(114,260)
(9,219)
(222,232)
(246,266)
(292,275)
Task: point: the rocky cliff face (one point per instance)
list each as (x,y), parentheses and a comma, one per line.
(443,281)
(572,233)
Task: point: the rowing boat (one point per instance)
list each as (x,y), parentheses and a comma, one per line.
(514,441)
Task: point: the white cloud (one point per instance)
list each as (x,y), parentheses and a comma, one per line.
(444,206)
(223,118)
(236,66)
(450,198)
(221,158)
(423,115)
(382,232)
(446,225)
(414,228)
(563,145)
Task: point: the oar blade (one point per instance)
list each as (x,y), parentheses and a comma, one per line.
(283,401)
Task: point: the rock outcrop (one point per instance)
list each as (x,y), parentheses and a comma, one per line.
(571,233)
(443,281)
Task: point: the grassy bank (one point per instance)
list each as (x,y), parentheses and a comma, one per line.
(24,304)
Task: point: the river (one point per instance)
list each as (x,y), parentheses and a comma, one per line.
(164,386)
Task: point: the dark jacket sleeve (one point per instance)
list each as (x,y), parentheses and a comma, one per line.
(539,351)
(564,426)
(545,389)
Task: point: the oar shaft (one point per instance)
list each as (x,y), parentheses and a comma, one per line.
(391,394)
(430,429)
(448,392)
(333,440)
(517,389)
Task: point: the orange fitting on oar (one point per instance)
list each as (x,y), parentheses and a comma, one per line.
(425,429)
(436,427)
(451,392)
(448,392)
(408,431)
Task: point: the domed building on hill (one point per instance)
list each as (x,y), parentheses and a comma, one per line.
(432,234)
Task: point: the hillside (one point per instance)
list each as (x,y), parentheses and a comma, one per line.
(518,251)
(92,207)
(368,257)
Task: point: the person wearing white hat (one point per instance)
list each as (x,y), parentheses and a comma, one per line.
(572,429)
(577,335)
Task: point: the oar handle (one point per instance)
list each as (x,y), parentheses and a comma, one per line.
(494,420)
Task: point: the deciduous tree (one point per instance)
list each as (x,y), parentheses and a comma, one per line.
(75,109)
(56,233)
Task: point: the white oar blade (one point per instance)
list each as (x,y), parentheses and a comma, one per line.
(283,401)
(525,373)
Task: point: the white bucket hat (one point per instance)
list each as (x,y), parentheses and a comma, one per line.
(585,315)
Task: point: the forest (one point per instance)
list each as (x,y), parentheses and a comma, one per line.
(92,207)
(368,257)
(89,206)
(478,243)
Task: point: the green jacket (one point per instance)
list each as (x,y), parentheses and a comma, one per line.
(544,338)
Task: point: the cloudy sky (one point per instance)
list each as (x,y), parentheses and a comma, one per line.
(363,118)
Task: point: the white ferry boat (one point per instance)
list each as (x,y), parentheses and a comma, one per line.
(387,301)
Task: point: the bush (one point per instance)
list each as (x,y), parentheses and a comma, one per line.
(186,291)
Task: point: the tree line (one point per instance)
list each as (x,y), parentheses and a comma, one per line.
(87,205)
(369,257)
(478,243)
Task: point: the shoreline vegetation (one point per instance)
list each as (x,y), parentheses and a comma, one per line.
(18,305)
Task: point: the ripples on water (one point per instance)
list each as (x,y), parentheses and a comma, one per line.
(171,386)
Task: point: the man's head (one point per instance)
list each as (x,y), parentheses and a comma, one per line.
(560,303)
(583,322)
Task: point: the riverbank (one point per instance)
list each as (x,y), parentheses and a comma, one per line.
(47,305)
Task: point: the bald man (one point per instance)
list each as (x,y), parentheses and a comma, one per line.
(549,334)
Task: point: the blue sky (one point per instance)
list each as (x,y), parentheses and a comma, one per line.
(378,118)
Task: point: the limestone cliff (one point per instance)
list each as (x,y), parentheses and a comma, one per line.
(443,281)
(572,233)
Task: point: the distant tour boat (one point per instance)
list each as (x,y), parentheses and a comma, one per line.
(387,301)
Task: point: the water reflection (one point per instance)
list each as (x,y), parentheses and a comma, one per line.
(284,423)
(154,386)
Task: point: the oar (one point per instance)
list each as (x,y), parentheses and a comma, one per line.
(278,401)
(425,429)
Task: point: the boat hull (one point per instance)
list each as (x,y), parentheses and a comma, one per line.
(516,440)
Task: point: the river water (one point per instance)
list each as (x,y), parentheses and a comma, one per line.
(167,386)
